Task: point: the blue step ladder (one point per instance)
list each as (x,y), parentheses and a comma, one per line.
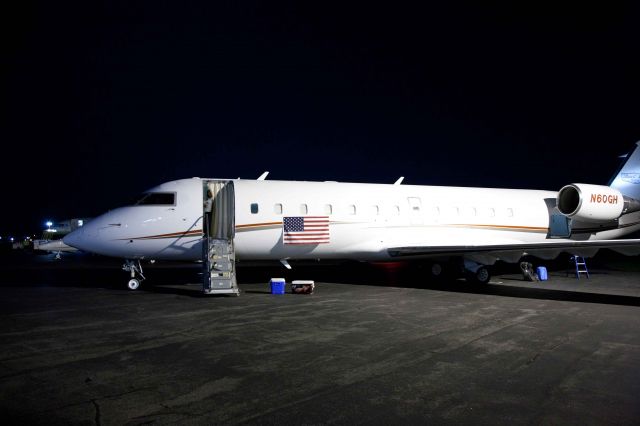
(580,266)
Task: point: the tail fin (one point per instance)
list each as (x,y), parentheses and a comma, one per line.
(627,180)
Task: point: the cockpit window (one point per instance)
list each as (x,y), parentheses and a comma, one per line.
(157,199)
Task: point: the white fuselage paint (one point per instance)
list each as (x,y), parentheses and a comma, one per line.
(365,220)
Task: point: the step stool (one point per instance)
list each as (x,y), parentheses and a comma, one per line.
(580,266)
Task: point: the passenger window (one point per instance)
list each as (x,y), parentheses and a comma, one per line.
(396,210)
(254,208)
(492,212)
(509,212)
(304,209)
(352,209)
(375,210)
(328,209)
(277,208)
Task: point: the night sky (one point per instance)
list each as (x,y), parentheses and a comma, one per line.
(102,100)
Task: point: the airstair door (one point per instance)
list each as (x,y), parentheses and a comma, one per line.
(219,231)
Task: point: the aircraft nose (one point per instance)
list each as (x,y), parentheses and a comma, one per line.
(75,238)
(96,236)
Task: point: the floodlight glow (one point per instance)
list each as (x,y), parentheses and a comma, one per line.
(49,224)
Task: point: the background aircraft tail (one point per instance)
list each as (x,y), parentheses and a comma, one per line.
(627,180)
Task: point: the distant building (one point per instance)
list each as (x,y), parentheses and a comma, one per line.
(58,230)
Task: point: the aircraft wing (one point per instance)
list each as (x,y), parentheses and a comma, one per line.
(511,252)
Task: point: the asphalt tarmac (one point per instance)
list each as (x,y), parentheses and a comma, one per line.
(370,346)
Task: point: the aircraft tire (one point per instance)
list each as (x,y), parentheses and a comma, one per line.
(481,276)
(436,270)
(439,271)
(133,284)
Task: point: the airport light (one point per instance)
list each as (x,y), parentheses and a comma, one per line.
(49,224)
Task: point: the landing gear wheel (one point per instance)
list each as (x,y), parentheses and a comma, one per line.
(481,276)
(436,270)
(135,268)
(133,284)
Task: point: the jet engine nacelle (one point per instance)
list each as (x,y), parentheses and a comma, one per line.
(591,203)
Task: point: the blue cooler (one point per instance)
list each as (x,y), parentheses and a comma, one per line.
(277,285)
(542,273)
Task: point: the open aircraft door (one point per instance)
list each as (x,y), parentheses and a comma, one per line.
(219,231)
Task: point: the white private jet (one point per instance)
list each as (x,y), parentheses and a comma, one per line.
(53,246)
(292,220)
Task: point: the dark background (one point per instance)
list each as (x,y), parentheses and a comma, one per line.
(101,100)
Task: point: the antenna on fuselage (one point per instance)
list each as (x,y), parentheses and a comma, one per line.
(263,176)
(399,181)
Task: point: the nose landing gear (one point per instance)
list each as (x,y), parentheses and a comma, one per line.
(135,268)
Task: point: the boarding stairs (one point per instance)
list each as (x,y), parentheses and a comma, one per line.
(220,274)
(218,255)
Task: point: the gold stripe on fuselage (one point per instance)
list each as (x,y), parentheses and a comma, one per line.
(278,225)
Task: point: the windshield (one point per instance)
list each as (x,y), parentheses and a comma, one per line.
(157,199)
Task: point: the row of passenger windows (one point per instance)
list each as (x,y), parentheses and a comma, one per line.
(327,209)
(374,210)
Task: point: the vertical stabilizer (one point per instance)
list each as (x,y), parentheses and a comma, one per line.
(627,181)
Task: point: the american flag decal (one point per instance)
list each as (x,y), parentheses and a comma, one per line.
(305,229)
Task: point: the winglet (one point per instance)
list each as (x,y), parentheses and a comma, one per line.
(399,181)
(263,176)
